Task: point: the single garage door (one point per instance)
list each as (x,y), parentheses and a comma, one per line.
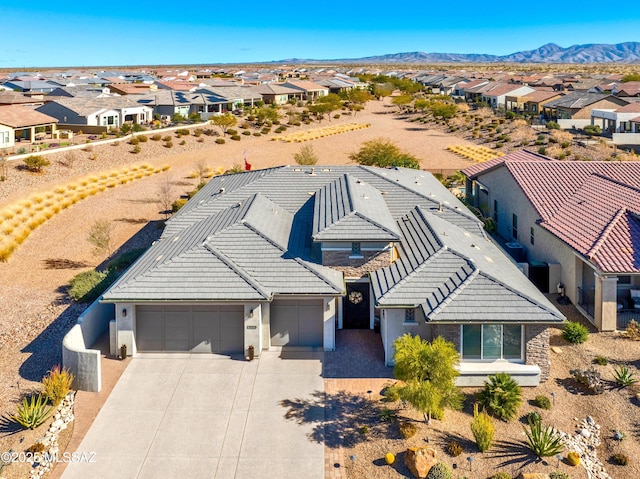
(199,329)
(297,322)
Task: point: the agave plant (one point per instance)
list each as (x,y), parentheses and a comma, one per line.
(33,412)
(543,442)
(624,377)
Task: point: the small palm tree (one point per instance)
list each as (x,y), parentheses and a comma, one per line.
(501,396)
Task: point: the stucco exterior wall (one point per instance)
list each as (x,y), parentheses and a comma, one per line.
(7,137)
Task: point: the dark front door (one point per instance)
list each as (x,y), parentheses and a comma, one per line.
(355,306)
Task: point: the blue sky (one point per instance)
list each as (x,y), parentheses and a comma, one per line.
(46,34)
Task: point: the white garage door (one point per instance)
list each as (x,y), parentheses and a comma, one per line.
(199,329)
(297,322)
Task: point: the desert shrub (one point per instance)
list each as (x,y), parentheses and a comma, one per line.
(483,429)
(183,143)
(501,475)
(363,430)
(388,415)
(33,412)
(88,286)
(408,429)
(623,376)
(633,330)
(37,448)
(454,449)
(542,150)
(136,149)
(182,132)
(601,361)
(592,130)
(56,384)
(543,442)
(257,133)
(575,332)
(565,144)
(383,153)
(590,378)
(391,394)
(167,138)
(573,458)
(620,459)
(124,260)
(177,204)
(542,401)
(558,475)
(552,125)
(232,131)
(440,470)
(142,138)
(534,416)
(235,137)
(156,137)
(134,141)
(220,141)
(306,156)
(246,133)
(168,144)
(501,396)
(35,163)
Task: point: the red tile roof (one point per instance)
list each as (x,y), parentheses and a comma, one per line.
(592,206)
(18,116)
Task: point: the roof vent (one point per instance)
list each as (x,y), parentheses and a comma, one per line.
(312,172)
(238,204)
(221,191)
(325,169)
(440,209)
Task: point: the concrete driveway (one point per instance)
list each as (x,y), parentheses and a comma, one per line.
(196,416)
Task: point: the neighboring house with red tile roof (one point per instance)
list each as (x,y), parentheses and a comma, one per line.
(495,93)
(628,89)
(19,122)
(311,90)
(577,223)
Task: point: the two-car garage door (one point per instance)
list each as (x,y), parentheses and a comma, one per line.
(297,322)
(200,329)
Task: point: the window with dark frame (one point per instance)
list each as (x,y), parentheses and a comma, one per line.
(355,249)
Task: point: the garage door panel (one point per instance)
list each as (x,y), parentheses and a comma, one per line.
(297,323)
(201,329)
(205,333)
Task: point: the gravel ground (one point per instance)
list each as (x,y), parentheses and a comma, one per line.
(613,410)
(35,311)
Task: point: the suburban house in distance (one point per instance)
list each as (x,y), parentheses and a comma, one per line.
(573,224)
(574,109)
(283,257)
(623,124)
(19,123)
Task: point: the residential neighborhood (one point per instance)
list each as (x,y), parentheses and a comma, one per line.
(355,261)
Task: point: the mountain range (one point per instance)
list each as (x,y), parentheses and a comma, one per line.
(628,52)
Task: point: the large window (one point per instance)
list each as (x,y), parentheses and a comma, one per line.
(491,341)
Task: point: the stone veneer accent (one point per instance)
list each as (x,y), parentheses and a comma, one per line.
(450,332)
(536,337)
(356,267)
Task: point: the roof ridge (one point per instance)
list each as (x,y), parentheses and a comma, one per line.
(605,233)
(301,262)
(613,180)
(238,270)
(374,222)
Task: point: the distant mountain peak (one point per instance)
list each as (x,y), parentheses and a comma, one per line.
(627,52)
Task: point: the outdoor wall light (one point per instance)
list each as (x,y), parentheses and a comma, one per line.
(124,312)
(251,313)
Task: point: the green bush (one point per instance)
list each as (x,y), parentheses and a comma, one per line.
(558,475)
(501,475)
(35,163)
(126,259)
(575,332)
(440,470)
(88,286)
(592,130)
(167,138)
(232,132)
(483,429)
(156,137)
(601,361)
(220,141)
(142,138)
(408,429)
(57,384)
(246,133)
(620,459)
(33,412)
(501,396)
(235,137)
(134,141)
(177,204)
(169,144)
(534,416)
(542,150)
(543,442)
(552,125)
(454,449)
(542,401)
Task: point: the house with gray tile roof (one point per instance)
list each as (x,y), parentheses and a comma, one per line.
(575,222)
(107,112)
(249,261)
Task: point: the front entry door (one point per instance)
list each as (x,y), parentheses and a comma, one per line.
(356,306)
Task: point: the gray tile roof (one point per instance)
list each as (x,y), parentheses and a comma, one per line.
(349,209)
(457,276)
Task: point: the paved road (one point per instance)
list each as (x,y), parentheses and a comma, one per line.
(196,416)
